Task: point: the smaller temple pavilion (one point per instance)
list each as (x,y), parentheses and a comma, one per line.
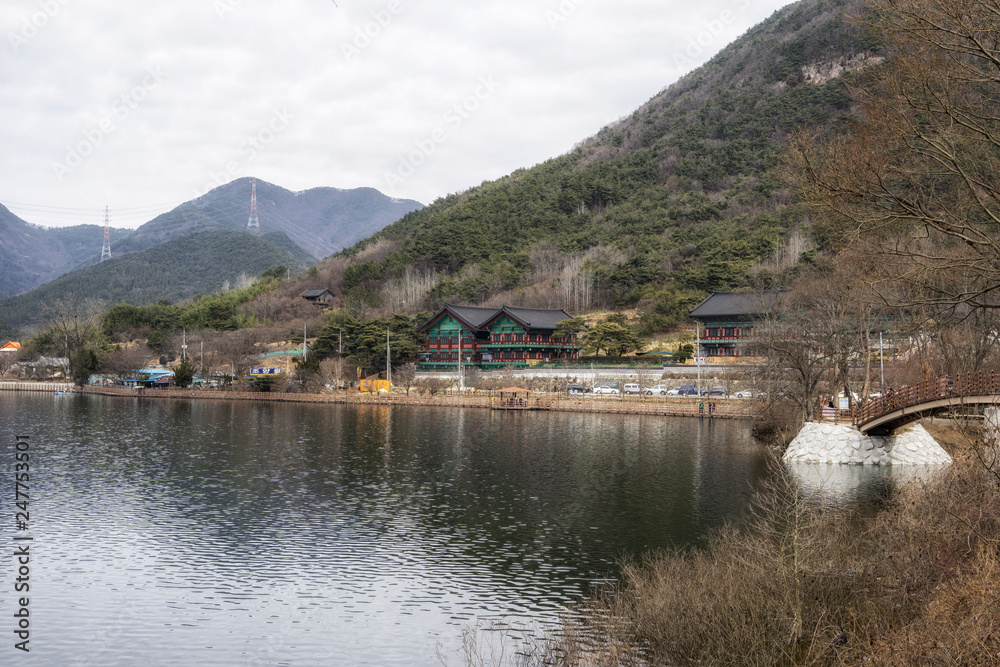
(492,337)
(727,321)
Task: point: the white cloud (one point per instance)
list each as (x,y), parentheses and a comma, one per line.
(565,68)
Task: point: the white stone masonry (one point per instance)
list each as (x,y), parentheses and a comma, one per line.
(837,443)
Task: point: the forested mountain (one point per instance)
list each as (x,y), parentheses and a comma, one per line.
(321,220)
(198,263)
(680,198)
(31,255)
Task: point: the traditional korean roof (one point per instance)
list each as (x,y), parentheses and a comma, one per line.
(536,318)
(10,347)
(477,319)
(471,316)
(315,293)
(735,305)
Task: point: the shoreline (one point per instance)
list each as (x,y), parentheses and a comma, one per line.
(638,405)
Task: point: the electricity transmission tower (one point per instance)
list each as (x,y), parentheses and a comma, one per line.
(106,249)
(253,225)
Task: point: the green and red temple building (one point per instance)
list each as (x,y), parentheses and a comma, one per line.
(493,337)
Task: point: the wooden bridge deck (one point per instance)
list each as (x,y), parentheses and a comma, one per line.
(912,402)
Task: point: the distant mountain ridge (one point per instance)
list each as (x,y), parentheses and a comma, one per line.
(320,221)
(197,263)
(31,255)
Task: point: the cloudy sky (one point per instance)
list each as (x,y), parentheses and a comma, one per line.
(142,106)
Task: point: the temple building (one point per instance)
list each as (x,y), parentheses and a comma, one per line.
(727,320)
(493,337)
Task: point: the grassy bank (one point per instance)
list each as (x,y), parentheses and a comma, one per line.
(917,583)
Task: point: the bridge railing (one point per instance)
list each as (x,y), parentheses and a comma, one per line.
(980,383)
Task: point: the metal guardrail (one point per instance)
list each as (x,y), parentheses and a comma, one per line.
(981,383)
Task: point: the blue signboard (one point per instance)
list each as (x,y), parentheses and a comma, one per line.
(264,371)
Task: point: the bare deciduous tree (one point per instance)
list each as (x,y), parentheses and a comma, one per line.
(333,370)
(7,360)
(406,377)
(433,386)
(239,350)
(125,361)
(913,187)
(75,328)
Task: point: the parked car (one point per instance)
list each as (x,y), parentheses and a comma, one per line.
(683,390)
(715,391)
(746,393)
(660,389)
(632,388)
(605,389)
(577,389)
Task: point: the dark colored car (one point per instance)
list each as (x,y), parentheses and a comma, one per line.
(715,391)
(577,389)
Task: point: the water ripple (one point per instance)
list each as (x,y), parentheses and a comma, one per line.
(217,533)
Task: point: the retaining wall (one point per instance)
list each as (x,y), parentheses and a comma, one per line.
(837,443)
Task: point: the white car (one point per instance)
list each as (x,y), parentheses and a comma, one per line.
(660,389)
(604,389)
(633,389)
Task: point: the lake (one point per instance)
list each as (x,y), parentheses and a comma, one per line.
(171,532)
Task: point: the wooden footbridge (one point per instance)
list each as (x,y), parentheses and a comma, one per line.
(898,407)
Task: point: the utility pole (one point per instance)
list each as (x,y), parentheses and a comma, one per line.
(303,342)
(388,366)
(697,351)
(184,345)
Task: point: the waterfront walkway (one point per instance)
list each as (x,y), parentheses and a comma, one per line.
(38,387)
(643,405)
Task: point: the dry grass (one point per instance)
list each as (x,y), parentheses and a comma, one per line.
(916,584)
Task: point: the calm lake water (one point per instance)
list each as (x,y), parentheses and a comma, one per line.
(226,533)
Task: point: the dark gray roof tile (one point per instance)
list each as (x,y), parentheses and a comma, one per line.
(734,304)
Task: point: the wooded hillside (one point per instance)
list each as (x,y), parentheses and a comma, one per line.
(680,198)
(199,263)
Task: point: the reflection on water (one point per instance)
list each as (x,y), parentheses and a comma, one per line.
(834,485)
(222,533)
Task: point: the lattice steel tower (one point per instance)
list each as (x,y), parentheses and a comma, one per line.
(106,250)
(253,225)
